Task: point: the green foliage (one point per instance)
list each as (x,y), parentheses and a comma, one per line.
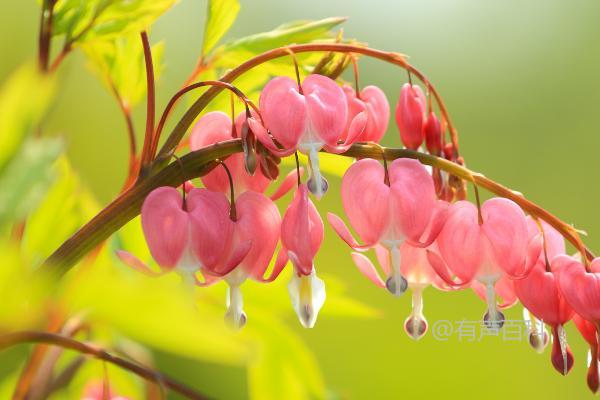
(66,206)
(120,64)
(86,20)
(120,304)
(235,52)
(26,179)
(24,99)
(220,17)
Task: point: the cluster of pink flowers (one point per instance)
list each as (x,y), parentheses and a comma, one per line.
(422,232)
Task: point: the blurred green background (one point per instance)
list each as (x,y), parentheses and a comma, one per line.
(521,82)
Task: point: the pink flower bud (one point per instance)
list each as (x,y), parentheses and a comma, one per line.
(410,115)
(433,134)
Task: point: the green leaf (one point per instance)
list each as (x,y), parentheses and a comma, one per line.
(120,64)
(221,15)
(66,206)
(24,291)
(238,51)
(85,20)
(27,178)
(24,99)
(111,295)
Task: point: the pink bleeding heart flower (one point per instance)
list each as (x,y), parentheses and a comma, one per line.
(485,249)
(589,332)
(257,221)
(419,274)
(301,238)
(539,293)
(410,115)
(580,287)
(187,235)
(505,292)
(389,215)
(216,127)
(306,120)
(373,102)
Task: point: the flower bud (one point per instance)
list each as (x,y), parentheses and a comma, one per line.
(410,115)
(433,134)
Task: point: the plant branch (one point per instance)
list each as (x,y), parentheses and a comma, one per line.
(177,96)
(45,34)
(394,58)
(146,157)
(199,162)
(12,339)
(128,204)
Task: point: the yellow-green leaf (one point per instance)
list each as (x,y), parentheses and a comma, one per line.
(83,21)
(26,178)
(24,99)
(220,16)
(120,64)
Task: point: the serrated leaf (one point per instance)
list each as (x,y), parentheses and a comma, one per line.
(220,16)
(120,64)
(26,178)
(83,21)
(237,51)
(24,99)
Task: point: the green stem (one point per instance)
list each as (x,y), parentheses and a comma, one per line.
(199,162)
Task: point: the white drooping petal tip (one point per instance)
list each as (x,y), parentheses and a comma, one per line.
(235,316)
(307,293)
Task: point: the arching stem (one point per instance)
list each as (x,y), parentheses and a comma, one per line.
(391,57)
(15,338)
(197,163)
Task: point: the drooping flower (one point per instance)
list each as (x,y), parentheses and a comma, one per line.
(373,102)
(485,247)
(189,234)
(539,293)
(410,115)
(389,215)
(580,288)
(301,238)
(257,220)
(415,268)
(306,119)
(215,127)
(207,234)
(589,332)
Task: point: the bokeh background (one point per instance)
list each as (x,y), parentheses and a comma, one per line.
(521,82)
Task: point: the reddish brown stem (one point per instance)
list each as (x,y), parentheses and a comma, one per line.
(146,156)
(177,96)
(199,162)
(394,58)
(45,34)
(12,339)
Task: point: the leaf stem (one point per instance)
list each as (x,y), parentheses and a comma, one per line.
(181,92)
(15,338)
(146,157)
(45,34)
